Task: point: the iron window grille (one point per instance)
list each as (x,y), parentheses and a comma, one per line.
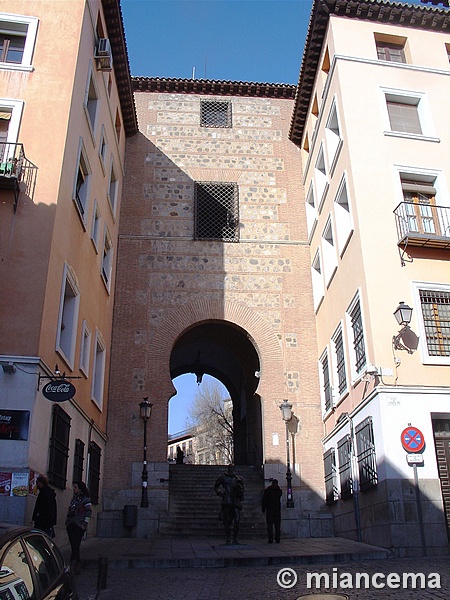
(95,454)
(59,448)
(329,465)
(326,384)
(367,460)
(214,113)
(358,337)
(345,467)
(216,211)
(78,461)
(436,320)
(340,361)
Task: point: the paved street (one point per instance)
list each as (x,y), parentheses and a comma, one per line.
(260,582)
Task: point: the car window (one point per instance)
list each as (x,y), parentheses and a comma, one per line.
(42,559)
(15,575)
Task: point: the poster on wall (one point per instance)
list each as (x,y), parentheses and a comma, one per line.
(5,483)
(14,424)
(32,487)
(19,484)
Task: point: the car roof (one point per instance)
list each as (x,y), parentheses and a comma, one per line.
(9,532)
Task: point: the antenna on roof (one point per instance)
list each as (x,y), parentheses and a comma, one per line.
(205,65)
(193,72)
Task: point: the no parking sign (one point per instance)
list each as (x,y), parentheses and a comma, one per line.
(412,439)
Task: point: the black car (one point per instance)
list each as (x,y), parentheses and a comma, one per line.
(31,567)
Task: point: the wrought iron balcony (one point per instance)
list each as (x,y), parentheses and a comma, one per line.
(423,224)
(17,173)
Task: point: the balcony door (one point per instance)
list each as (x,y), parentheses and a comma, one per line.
(420,207)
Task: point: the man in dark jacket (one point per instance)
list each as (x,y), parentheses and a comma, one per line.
(45,511)
(271,505)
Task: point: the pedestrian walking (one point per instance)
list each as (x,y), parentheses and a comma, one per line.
(77,520)
(45,510)
(231,489)
(271,505)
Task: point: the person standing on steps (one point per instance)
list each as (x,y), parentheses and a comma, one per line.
(271,505)
(77,520)
(230,488)
(45,510)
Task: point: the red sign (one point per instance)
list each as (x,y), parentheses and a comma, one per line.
(412,439)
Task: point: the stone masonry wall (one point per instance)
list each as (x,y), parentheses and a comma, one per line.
(167,281)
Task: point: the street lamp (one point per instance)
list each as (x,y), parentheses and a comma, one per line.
(145,410)
(286,413)
(403,314)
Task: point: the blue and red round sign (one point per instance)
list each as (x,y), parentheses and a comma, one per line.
(412,439)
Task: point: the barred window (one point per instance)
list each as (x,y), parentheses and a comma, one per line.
(358,336)
(436,320)
(329,465)
(367,461)
(95,454)
(215,113)
(216,211)
(340,362)
(345,467)
(78,460)
(59,447)
(326,383)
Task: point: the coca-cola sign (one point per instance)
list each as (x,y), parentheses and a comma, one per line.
(59,390)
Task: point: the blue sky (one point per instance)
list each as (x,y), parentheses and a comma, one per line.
(237,40)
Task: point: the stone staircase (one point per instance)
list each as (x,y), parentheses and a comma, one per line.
(194,507)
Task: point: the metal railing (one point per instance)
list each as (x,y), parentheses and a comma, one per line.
(15,169)
(416,219)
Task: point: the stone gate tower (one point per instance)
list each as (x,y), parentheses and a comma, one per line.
(213,277)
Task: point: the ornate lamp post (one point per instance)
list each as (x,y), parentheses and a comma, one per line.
(145,410)
(286,412)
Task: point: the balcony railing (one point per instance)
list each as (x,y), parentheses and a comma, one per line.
(17,173)
(423,224)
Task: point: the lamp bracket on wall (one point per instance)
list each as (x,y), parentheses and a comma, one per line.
(58,375)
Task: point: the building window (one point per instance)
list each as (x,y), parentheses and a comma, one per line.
(327,392)
(329,464)
(102,149)
(367,461)
(342,217)
(435,306)
(356,325)
(320,176)
(107,259)
(333,137)
(311,212)
(420,204)
(59,447)
(118,125)
(82,183)
(345,467)
(99,371)
(328,253)
(339,354)
(447,48)
(85,350)
(17,39)
(317,280)
(91,101)
(78,461)
(68,317)
(404,114)
(113,187)
(390,48)
(217,211)
(95,454)
(214,113)
(95,230)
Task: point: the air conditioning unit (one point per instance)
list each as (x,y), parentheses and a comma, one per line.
(103,55)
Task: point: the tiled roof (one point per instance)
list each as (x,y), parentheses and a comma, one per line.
(121,65)
(213,87)
(406,15)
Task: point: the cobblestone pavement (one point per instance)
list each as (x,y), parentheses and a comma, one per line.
(260,583)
